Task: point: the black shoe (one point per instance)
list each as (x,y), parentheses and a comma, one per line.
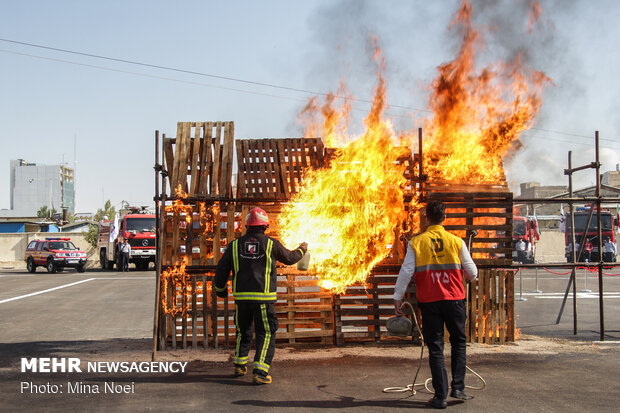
(460,394)
(437,403)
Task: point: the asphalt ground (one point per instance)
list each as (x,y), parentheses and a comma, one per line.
(107,316)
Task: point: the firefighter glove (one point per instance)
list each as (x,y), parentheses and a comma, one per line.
(303,246)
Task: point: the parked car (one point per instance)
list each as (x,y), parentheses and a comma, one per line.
(55,254)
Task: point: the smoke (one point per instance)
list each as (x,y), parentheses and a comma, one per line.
(415,40)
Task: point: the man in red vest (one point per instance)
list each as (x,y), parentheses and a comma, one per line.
(438,261)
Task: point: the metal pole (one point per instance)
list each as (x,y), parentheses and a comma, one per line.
(600,238)
(585,286)
(537,291)
(157,239)
(521,298)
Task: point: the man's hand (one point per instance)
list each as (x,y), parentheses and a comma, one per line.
(303,246)
(397,305)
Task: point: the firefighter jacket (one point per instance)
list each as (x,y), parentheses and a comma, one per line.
(252,260)
(438,260)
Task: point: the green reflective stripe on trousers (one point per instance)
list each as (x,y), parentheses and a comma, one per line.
(263,353)
(235,264)
(261,366)
(238,345)
(255,296)
(241,360)
(268,266)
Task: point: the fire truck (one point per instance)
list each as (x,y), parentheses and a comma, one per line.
(608,226)
(138,227)
(525,228)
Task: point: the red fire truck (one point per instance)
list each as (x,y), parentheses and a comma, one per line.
(608,226)
(139,228)
(526,229)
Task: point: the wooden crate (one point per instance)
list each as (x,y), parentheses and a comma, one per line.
(274,168)
(488,211)
(490,310)
(199,160)
(203,215)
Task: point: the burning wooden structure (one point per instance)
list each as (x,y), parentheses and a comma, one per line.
(200,212)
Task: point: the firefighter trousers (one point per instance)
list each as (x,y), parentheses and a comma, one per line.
(453,314)
(260,317)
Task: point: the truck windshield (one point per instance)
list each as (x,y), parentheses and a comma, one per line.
(518,227)
(140,224)
(581,219)
(61,245)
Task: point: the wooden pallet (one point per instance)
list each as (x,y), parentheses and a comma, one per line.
(274,168)
(362,311)
(490,313)
(199,160)
(208,216)
(489,212)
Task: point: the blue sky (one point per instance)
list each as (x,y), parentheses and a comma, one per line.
(309,45)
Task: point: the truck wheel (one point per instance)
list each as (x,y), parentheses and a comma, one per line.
(81,268)
(103,260)
(30,265)
(51,268)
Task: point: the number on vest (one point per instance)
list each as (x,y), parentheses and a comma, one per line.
(438,277)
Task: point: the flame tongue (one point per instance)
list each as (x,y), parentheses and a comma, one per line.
(478,117)
(347,213)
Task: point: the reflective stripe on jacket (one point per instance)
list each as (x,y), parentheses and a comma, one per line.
(438,274)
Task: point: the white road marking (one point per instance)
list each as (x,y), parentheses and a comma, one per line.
(45,291)
(126,278)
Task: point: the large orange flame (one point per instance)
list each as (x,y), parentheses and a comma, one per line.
(348,212)
(478,115)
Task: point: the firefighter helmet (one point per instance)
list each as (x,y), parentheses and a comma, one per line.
(257,217)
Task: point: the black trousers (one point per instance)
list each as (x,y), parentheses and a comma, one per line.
(260,317)
(453,314)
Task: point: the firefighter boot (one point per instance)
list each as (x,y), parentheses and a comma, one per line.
(262,379)
(240,370)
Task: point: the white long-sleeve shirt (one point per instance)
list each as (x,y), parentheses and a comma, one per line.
(408,269)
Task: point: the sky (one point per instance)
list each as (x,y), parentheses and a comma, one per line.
(275,55)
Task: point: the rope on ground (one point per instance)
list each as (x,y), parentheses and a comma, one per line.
(427,382)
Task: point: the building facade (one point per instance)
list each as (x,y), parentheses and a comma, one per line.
(33,186)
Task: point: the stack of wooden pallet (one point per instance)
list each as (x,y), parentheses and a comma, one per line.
(201,212)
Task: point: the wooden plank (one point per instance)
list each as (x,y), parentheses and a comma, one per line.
(262,168)
(227,154)
(274,163)
(207,161)
(230,223)
(169,161)
(241,172)
(510,308)
(216,160)
(205,313)
(282,176)
(297,156)
(216,233)
(185,143)
(494,308)
(288,147)
(194,316)
(195,150)
(501,291)
(177,159)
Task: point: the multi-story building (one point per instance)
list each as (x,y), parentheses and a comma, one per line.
(33,186)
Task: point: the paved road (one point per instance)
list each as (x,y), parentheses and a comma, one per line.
(107,316)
